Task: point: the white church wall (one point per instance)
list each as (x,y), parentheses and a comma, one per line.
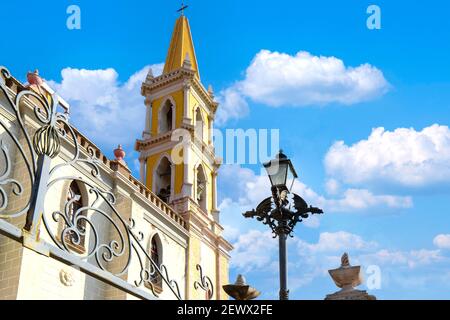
(174,244)
(208,261)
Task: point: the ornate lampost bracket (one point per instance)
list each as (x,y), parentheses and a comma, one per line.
(276,212)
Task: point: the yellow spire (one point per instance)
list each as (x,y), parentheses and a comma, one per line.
(181,48)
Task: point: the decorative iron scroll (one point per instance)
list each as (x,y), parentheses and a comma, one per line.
(113,242)
(205,282)
(19,146)
(276,212)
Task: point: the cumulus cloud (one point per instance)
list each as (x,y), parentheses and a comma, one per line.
(253,250)
(361,199)
(411,259)
(340,241)
(232,106)
(332,186)
(442,241)
(279,79)
(256,252)
(404,157)
(352,200)
(240,195)
(100,103)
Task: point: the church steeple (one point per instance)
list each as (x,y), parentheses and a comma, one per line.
(181,48)
(183,173)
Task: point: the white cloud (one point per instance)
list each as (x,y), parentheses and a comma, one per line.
(232,106)
(340,241)
(332,186)
(351,200)
(331,245)
(230,233)
(279,79)
(442,241)
(404,157)
(99,104)
(411,259)
(256,253)
(246,192)
(312,222)
(362,199)
(253,250)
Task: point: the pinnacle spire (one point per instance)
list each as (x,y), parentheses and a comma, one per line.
(181,48)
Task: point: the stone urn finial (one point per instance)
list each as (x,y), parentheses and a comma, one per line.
(119,153)
(35,81)
(211,91)
(240,290)
(347,277)
(240,281)
(345,262)
(33,78)
(187,62)
(149,78)
(118,164)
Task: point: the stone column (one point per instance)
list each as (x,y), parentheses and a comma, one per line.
(214,190)
(186,92)
(210,130)
(187,184)
(215,212)
(148,118)
(142,170)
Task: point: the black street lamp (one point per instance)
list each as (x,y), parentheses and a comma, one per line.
(275,211)
(278,170)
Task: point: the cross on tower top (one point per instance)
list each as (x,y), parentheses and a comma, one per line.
(183,7)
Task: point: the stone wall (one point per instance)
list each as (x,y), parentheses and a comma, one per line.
(10,267)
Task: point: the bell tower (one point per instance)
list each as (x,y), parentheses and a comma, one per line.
(177,158)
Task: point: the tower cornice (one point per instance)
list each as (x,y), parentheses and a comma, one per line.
(185,75)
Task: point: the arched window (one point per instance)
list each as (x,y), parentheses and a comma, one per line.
(169,119)
(201,188)
(75,200)
(156,256)
(163,177)
(166,117)
(199,124)
(154,251)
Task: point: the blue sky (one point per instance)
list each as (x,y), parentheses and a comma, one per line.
(396,213)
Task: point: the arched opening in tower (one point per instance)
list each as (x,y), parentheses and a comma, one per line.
(166,117)
(199,124)
(163,179)
(201,188)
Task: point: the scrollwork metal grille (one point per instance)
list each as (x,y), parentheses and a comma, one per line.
(18,149)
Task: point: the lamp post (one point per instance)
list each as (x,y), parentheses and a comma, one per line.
(275,211)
